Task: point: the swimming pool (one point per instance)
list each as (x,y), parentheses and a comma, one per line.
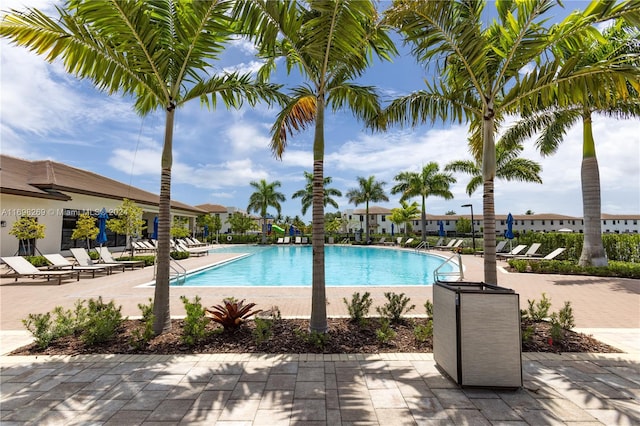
(281,266)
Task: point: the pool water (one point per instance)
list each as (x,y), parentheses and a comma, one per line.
(279,266)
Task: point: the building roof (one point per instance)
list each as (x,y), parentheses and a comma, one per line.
(212,208)
(52,180)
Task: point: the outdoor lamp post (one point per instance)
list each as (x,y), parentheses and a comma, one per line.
(473,229)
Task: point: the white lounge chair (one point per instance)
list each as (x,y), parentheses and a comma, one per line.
(83,259)
(195,251)
(60,262)
(517,249)
(298,240)
(22,268)
(287,240)
(280,240)
(531,252)
(409,241)
(105,255)
(550,256)
(447,246)
(499,248)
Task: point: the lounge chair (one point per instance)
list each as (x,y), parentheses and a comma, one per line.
(516,250)
(22,268)
(105,255)
(499,248)
(195,251)
(381,241)
(399,241)
(280,240)
(550,256)
(531,252)
(298,240)
(439,242)
(141,246)
(287,240)
(60,262)
(305,240)
(409,241)
(446,247)
(83,259)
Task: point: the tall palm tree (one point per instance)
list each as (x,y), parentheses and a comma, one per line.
(428,182)
(406,213)
(369,189)
(149,51)
(306,194)
(481,71)
(553,123)
(331,43)
(265,196)
(508,167)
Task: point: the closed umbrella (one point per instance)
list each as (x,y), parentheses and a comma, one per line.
(509,232)
(102,227)
(154,236)
(441,228)
(206,231)
(392,229)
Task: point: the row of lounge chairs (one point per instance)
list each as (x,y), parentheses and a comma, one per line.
(61,268)
(296,240)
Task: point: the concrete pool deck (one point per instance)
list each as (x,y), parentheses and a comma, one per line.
(310,389)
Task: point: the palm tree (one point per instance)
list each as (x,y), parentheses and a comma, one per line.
(553,123)
(428,182)
(330,43)
(265,196)
(405,214)
(368,190)
(306,194)
(481,77)
(149,51)
(508,167)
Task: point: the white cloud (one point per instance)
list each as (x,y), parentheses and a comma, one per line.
(251,67)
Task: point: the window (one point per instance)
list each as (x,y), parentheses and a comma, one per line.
(361,218)
(531,222)
(551,222)
(384,230)
(384,219)
(350,217)
(625,222)
(543,224)
(446,222)
(502,222)
(561,222)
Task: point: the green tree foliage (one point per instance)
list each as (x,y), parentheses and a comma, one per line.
(369,190)
(26,229)
(463,225)
(428,182)
(85,228)
(405,214)
(266,195)
(306,194)
(180,228)
(240,223)
(128,221)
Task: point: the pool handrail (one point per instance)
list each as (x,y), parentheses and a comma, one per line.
(459,273)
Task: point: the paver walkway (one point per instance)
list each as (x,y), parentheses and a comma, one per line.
(308,389)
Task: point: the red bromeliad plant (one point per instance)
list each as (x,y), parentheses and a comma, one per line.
(231,313)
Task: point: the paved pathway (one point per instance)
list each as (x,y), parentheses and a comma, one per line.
(308,389)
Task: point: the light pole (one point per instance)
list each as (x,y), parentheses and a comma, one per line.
(473,229)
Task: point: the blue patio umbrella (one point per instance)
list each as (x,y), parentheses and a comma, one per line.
(206,230)
(154,236)
(441,228)
(509,232)
(291,231)
(392,229)
(102,227)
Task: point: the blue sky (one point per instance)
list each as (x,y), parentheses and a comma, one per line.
(48,114)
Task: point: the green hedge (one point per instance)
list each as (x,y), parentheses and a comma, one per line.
(619,247)
(567,267)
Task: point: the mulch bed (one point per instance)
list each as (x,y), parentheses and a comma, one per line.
(291,336)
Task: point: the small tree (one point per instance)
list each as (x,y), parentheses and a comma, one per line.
(26,229)
(129,221)
(85,228)
(179,228)
(216,226)
(240,223)
(463,225)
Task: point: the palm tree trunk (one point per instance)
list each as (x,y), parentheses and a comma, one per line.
(318,321)
(161,309)
(593,253)
(366,222)
(488,204)
(423,219)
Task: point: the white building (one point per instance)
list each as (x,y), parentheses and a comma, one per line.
(56,194)
(379,222)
